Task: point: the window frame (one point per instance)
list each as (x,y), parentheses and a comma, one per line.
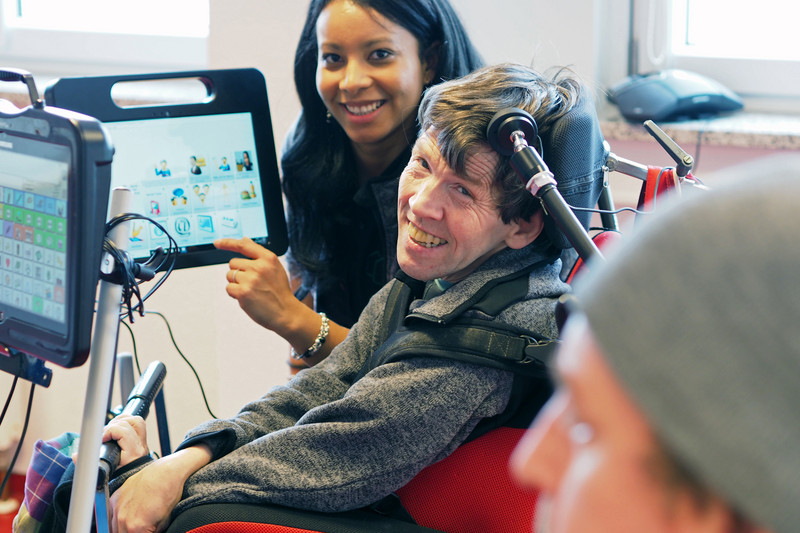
(61,53)
(750,78)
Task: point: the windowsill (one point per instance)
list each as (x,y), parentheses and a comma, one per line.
(742,130)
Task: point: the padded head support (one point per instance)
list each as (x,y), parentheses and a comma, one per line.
(573,150)
(504,123)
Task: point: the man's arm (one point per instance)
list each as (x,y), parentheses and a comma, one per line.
(145,501)
(353,451)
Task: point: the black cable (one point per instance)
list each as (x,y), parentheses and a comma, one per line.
(658,184)
(175,344)
(197,377)
(21,440)
(601,229)
(127,270)
(696,156)
(630,209)
(609,211)
(133,343)
(123,273)
(8,401)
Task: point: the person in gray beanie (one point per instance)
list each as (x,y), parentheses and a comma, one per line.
(676,408)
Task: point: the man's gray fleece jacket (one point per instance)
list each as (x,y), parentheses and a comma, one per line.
(328,443)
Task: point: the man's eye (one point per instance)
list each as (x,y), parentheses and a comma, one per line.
(463,190)
(423,163)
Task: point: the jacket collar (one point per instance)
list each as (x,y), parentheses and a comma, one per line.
(503,266)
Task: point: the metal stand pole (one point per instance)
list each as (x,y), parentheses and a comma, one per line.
(101,369)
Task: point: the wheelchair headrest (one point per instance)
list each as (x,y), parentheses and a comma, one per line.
(573,150)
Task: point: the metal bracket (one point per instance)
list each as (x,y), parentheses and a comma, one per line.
(26,366)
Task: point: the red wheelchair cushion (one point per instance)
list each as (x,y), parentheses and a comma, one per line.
(472,490)
(248,527)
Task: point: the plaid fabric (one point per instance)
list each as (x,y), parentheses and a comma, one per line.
(49,461)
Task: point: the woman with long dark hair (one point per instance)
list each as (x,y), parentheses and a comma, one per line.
(361,67)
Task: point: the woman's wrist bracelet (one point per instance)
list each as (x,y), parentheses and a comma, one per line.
(318,342)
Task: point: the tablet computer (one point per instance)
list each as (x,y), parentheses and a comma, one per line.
(202,169)
(54,188)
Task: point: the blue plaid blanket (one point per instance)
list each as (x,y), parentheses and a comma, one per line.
(49,462)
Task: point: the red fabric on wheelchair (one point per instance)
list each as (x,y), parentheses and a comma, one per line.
(472,490)
(604,241)
(659,181)
(248,527)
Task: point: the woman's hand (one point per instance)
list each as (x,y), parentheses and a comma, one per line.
(260,284)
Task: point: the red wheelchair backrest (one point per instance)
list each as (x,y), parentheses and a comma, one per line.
(472,490)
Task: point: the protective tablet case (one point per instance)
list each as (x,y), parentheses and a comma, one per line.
(54,187)
(204,169)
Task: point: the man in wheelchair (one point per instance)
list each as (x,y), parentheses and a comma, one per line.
(359,425)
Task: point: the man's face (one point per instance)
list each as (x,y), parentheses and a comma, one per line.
(448,223)
(592,455)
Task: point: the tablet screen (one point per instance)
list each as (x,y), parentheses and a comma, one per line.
(33,245)
(197,176)
(201,169)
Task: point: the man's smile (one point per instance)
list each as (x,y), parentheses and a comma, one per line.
(422,238)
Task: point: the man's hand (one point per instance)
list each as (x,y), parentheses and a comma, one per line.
(145,501)
(130,432)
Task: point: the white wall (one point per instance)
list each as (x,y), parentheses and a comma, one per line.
(237,360)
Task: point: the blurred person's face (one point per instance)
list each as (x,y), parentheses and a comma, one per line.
(448,223)
(369,75)
(594,458)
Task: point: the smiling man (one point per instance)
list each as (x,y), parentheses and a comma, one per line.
(359,425)
(676,408)
(451,221)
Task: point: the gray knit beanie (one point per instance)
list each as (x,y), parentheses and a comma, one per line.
(698,314)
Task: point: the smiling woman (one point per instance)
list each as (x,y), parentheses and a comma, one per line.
(370,76)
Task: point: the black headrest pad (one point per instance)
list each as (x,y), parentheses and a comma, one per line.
(573,150)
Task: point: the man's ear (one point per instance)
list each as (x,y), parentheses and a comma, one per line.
(430,63)
(524,231)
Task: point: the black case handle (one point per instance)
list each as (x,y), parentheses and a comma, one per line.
(15,74)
